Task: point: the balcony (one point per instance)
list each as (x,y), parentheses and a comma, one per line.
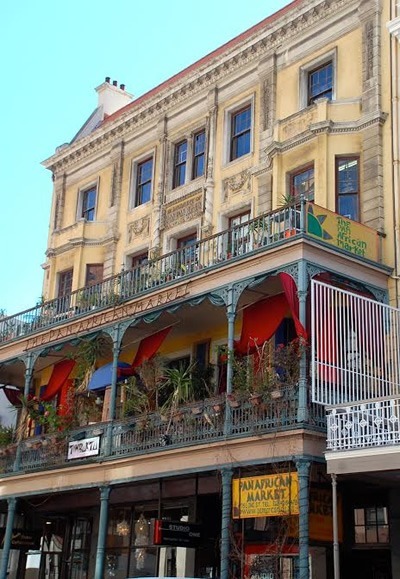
(265,232)
(200,423)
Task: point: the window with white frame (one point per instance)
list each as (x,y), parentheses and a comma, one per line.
(87,203)
(239,130)
(317,79)
(189,159)
(143,181)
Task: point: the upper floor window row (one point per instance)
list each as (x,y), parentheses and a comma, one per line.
(240,135)
(189,159)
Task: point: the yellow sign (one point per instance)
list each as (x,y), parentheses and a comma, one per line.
(341,232)
(320,516)
(272,495)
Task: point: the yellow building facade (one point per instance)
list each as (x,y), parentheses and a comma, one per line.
(172,358)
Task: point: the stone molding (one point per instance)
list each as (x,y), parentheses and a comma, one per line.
(329,127)
(204,76)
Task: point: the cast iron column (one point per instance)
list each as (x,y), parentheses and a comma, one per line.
(302,409)
(22,418)
(336,560)
(113,394)
(7,537)
(226,521)
(102,535)
(303,470)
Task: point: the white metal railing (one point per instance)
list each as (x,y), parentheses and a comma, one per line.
(355,349)
(364,425)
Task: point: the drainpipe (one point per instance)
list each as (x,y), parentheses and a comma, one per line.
(7,537)
(113,395)
(302,409)
(27,385)
(336,560)
(394,90)
(102,535)
(226,521)
(303,467)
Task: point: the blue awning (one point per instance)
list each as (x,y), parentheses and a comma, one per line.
(101,378)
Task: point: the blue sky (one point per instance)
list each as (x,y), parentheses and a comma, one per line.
(53,56)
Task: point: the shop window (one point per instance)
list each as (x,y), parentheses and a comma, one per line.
(371,526)
(348,187)
(302,184)
(144,177)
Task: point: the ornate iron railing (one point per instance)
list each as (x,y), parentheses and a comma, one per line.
(203,422)
(212,252)
(373,423)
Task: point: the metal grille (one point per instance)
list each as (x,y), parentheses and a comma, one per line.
(355,347)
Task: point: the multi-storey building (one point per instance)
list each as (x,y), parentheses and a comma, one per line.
(219,270)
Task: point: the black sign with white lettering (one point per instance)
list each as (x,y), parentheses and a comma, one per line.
(22,540)
(177,534)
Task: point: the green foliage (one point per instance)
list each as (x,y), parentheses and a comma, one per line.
(7,435)
(43,413)
(85,356)
(178,382)
(136,399)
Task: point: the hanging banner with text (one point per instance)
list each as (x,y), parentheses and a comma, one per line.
(273,495)
(342,232)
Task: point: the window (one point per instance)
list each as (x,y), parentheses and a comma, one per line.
(199,143)
(239,234)
(371,526)
(65,283)
(347,187)
(320,82)
(240,133)
(318,79)
(302,184)
(144,175)
(188,254)
(88,200)
(180,158)
(137,260)
(94,273)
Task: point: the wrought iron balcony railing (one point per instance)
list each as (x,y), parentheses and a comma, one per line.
(202,422)
(364,425)
(264,231)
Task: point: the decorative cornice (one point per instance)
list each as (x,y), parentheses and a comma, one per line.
(329,127)
(205,76)
(80,242)
(394,27)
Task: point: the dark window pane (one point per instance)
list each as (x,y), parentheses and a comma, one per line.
(180,164)
(320,83)
(199,151)
(144,182)
(240,133)
(302,185)
(347,187)
(89,204)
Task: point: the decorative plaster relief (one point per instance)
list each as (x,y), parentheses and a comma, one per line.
(137,228)
(240,183)
(295,126)
(183,210)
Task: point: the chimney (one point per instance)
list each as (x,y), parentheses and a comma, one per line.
(111,98)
